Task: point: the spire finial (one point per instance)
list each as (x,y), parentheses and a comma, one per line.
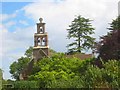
(40,20)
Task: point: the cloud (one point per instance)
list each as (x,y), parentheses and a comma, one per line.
(4,17)
(19,0)
(119,8)
(9,24)
(2,30)
(14,45)
(23,22)
(18,39)
(59,15)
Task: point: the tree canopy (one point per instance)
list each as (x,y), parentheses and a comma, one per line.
(59,71)
(80,30)
(17,66)
(109,45)
(54,72)
(62,72)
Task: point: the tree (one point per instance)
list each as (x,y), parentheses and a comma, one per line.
(29,52)
(109,45)
(59,71)
(106,77)
(17,66)
(1,78)
(80,30)
(115,25)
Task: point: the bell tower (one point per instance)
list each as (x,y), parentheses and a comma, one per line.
(40,48)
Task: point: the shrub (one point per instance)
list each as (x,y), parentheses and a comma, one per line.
(26,84)
(62,72)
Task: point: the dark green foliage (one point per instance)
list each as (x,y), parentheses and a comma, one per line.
(115,25)
(20,85)
(106,77)
(17,66)
(62,72)
(26,84)
(80,30)
(7,84)
(109,45)
(29,52)
(59,71)
(51,71)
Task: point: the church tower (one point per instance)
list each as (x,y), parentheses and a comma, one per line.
(40,48)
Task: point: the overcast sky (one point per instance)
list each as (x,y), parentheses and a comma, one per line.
(18,23)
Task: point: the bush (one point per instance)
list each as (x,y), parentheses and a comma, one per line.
(26,84)
(106,77)
(62,72)
(59,71)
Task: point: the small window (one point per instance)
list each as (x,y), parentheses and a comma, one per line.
(41,30)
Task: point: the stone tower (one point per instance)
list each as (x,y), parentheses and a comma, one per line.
(40,48)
